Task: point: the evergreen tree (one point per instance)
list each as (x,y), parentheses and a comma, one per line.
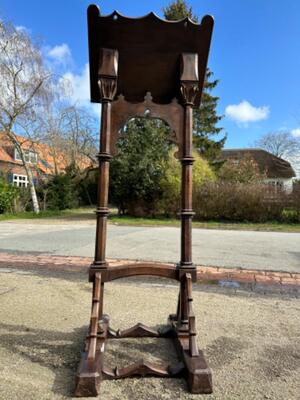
(206,117)
(137,169)
(179,10)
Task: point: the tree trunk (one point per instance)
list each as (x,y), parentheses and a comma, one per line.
(14,140)
(35,203)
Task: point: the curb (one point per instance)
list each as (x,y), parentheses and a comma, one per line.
(205,274)
(247,276)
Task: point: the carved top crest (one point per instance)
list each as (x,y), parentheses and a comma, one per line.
(149,51)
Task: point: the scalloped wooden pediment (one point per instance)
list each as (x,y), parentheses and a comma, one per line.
(149,51)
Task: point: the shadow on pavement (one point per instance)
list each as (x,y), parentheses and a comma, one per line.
(58,351)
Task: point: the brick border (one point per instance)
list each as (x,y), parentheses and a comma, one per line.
(205,273)
(247,276)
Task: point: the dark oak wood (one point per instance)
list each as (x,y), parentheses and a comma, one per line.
(138,67)
(89,374)
(107,83)
(189,90)
(182,329)
(138,330)
(123,111)
(150,50)
(127,270)
(144,368)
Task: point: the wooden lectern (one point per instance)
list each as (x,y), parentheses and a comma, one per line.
(145,66)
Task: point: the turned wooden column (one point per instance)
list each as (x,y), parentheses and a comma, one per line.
(186,190)
(189,90)
(107,82)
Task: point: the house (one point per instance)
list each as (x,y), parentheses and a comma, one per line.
(279,172)
(43,160)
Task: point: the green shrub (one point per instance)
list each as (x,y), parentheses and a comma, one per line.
(240,195)
(244,171)
(61,193)
(169,203)
(24,200)
(292,212)
(8,194)
(237,202)
(87,188)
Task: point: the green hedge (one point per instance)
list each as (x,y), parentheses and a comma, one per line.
(249,202)
(8,194)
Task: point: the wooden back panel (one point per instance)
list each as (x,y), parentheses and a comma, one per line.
(149,53)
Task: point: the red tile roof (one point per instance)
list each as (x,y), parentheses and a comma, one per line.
(46,157)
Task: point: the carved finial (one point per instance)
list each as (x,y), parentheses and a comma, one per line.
(189,91)
(121,97)
(107,72)
(189,77)
(148,98)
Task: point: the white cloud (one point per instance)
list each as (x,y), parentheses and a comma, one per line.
(245,112)
(80,89)
(21,28)
(79,84)
(60,54)
(296,132)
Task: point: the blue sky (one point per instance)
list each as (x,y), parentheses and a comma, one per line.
(255,54)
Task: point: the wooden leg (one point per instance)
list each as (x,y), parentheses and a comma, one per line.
(182,328)
(101,301)
(182,323)
(199,377)
(89,374)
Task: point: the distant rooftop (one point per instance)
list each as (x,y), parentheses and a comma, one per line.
(273,166)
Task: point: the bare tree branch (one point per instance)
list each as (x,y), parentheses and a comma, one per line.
(281,144)
(24,86)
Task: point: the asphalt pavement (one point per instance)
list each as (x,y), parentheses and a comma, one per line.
(275,251)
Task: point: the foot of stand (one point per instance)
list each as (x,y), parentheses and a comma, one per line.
(140,330)
(199,377)
(88,378)
(181,328)
(144,368)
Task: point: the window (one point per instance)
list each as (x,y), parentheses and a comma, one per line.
(17,155)
(30,156)
(20,180)
(276,183)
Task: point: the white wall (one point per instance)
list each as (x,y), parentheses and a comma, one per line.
(286,184)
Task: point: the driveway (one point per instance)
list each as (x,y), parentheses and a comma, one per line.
(253,250)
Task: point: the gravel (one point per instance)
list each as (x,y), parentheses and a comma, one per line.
(251,341)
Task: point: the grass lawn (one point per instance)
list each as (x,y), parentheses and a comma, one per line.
(86,213)
(45,214)
(250,226)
